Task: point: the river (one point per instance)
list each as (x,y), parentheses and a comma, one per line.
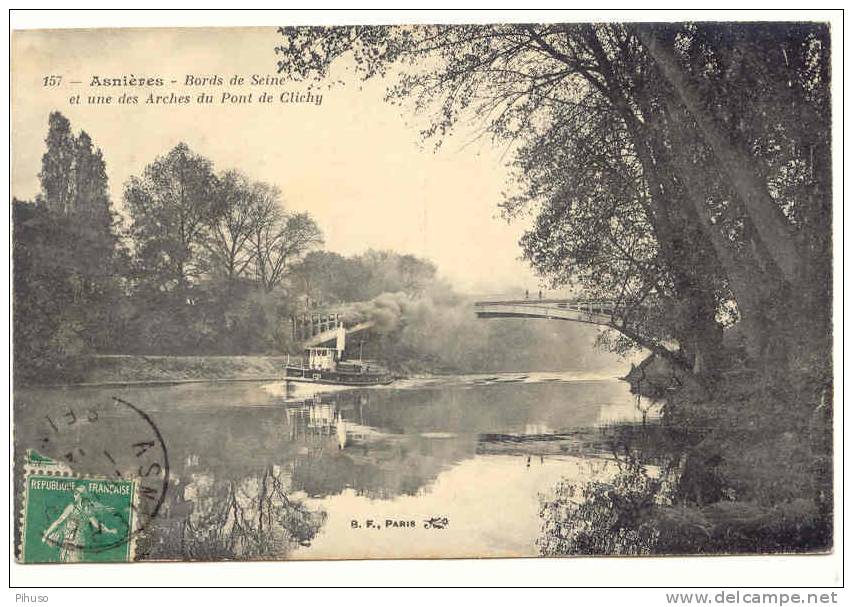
(445,466)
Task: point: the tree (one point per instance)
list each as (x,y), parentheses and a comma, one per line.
(267,215)
(48,333)
(210,253)
(299,235)
(57,173)
(227,243)
(660,160)
(744,141)
(68,293)
(740,166)
(76,190)
(278,239)
(171,207)
(327,277)
(90,185)
(415,274)
(320,277)
(391,272)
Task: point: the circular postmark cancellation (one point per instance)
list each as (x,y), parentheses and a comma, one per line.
(96,476)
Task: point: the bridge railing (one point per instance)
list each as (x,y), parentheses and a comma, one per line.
(332,334)
(306,326)
(596,306)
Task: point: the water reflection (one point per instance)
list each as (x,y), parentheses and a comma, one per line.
(255,517)
(262,472)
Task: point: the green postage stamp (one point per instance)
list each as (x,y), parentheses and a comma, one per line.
(70,519)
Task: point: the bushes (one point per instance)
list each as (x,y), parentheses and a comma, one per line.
(753,475)
(635,513)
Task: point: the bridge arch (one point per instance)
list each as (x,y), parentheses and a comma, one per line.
(596,312)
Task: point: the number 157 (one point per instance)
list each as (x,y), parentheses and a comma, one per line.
(52,80)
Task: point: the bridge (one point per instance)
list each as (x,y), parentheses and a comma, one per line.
(316,329)
(591,311)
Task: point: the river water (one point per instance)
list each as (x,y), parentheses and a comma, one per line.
(448,466)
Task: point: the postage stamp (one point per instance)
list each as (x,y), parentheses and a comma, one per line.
(73,520)
(38,461)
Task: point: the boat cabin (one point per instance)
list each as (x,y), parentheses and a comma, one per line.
(324,359)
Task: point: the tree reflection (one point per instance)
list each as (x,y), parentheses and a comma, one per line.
(256,517)
(609,516)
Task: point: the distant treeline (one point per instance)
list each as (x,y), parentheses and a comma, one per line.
(198,262)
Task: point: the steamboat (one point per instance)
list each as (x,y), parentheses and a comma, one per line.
(329,366)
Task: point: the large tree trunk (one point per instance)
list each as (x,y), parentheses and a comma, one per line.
(675,228)
(740,167)
(748,284)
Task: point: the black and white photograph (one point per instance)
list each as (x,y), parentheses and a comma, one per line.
(555,289)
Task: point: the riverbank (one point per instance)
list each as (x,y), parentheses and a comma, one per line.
(746,466)
(140,370)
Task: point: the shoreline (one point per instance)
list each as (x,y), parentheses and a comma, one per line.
(125,370)
(149,382)
(141,370)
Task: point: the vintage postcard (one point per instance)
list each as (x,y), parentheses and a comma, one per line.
(547,289)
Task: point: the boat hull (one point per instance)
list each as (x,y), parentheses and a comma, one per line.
(334,378)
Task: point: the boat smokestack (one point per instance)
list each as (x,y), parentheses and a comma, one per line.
(341,341)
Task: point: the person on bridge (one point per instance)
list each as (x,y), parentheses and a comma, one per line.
(540,293)
(526,293)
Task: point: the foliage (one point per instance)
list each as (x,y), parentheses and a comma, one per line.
(326,277)
(254,518)
(67,261)
(213,264)
(692,507)
(683,170)
(212,254)
(652,178)
(278,240)
(170,207)
(609,517)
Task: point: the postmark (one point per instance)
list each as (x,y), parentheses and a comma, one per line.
(95,477)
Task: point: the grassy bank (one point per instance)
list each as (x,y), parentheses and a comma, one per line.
(127,369)
(140,369)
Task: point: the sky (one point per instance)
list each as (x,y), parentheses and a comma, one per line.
(355,162)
